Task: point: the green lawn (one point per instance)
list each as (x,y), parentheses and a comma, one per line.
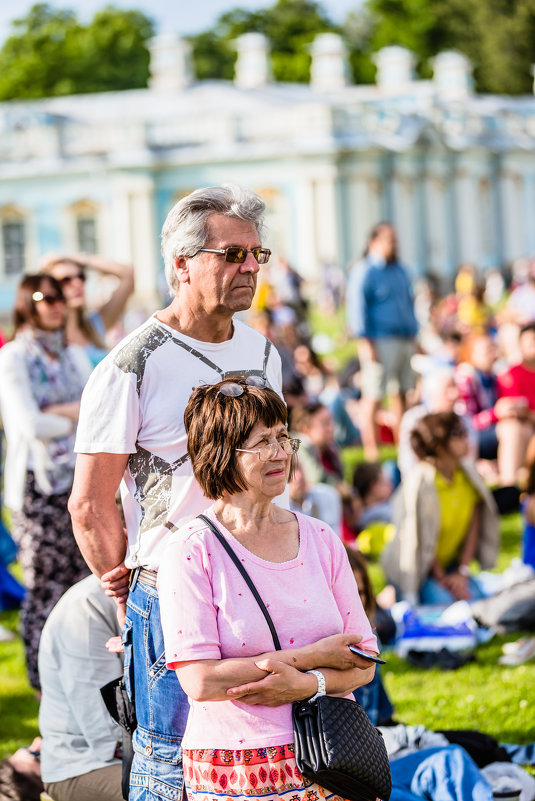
(18,706)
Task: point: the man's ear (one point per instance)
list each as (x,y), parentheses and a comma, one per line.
(182,269)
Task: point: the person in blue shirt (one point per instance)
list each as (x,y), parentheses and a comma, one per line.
(380,314)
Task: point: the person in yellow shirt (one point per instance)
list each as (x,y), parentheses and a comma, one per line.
(445,518)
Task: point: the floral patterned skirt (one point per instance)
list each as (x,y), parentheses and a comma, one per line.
(218,774)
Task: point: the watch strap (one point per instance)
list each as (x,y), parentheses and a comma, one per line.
(321,684)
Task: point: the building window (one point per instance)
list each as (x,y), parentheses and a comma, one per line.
(14,246)
(86,233)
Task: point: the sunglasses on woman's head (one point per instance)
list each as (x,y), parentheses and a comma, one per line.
(231,389)
(37,297)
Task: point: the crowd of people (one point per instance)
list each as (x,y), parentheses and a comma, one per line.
(221,404)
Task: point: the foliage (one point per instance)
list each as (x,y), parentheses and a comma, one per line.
(498,36)
(289,25)
(50,53)
(213,57)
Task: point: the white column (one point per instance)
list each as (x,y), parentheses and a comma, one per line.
(132,234)
(326,218)
(305,226)
(436,215)
(357,215)
(404,203)
(468,219)
(513,213)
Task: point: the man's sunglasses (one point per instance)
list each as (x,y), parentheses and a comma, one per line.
(81,276)
(237,255)
(37,297)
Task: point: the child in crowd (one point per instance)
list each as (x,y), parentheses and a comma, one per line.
(375,490)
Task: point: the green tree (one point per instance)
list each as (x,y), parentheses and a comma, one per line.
(498,36)
(289,25)
(50,53)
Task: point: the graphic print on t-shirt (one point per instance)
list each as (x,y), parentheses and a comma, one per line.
(153,475)
(154,480)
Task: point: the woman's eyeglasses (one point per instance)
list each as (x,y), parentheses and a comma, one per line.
(271,449)
(231,389)
(237,255)
(38,297)
(81,276)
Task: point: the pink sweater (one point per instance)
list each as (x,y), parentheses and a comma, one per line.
(208,612)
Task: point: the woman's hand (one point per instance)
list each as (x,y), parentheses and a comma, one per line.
(282,685)
(334,652)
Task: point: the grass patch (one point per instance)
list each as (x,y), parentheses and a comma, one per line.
(18,706)
(481,695)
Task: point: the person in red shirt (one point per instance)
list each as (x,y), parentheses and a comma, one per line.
(519,382)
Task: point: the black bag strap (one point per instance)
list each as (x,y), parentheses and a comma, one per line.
(228,548)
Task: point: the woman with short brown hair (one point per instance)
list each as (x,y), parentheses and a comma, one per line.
(239,736)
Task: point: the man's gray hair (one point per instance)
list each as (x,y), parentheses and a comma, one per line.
(186,228)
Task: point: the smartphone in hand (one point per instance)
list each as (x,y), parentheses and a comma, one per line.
(356,650)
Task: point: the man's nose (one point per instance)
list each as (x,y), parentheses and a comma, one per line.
(250,265)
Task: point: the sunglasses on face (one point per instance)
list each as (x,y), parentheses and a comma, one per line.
(231,389)
(271,449)
(37,297)
(236,255)
(81,276)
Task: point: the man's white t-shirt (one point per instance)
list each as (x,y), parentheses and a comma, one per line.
(134,403)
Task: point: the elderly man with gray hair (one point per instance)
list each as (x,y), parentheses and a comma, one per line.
(131,432)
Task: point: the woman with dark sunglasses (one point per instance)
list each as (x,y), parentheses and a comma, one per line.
(239,735)
(445,518)
(83,328)
(40,389)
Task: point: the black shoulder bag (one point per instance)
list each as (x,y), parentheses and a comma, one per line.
(336,744)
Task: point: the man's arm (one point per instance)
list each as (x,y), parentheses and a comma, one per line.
(96,521)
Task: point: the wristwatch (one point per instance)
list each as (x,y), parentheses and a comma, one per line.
(464,570)
(321,684)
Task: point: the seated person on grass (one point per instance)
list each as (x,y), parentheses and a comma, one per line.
(445,518)
(374,489)
(80,760)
